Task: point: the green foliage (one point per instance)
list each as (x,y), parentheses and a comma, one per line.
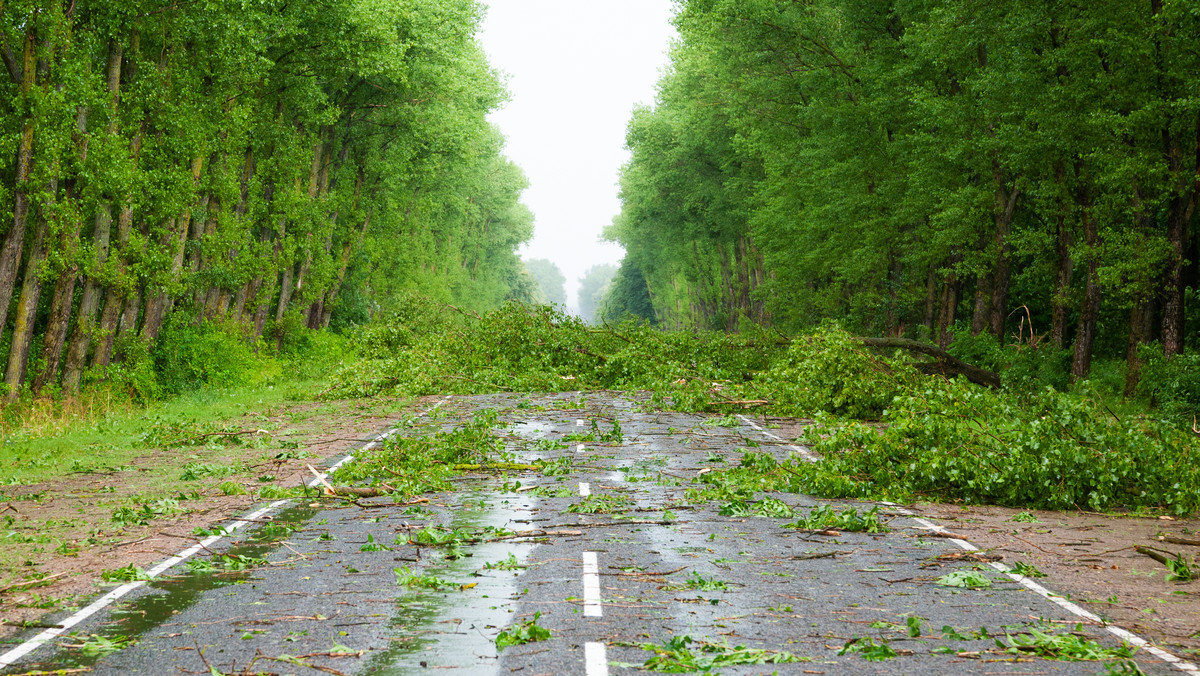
(1066,646)
(868,649)
(593,287)
(939,438)
(405,577)
(967,579)
(698,582)
(526,632)
(850,520)
(1174,384)
(1042,449)
(196,470)
(130,573)
(550,280)
(602,504)
(372,546)
(678,656)
(98,646)
(830,372)
(419,464)
(188,357)
(1027,570)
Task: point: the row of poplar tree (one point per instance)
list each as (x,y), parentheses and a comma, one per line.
(906,165)
(260,161)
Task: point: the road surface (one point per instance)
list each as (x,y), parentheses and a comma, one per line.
(608,587)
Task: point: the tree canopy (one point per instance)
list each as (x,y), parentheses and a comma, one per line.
(273,164)
(1030,170)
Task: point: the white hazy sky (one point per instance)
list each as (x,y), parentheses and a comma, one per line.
(575,69)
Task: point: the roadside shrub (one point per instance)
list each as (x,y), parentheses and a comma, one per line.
(1020,366)
(188,357)
(1173,385)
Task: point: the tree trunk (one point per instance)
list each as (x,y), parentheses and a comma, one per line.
(983,304)
(64,289)
(10,251)
(31,289)
(1089,313)
(159,302)
(1140,318)
(85,321)
(114,301)
(930,298)
(1002,276)
(1062,285)
(949,309)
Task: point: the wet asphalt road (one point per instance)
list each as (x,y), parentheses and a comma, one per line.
(602,584)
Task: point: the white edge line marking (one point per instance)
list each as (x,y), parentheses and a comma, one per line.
(802,450)
(1123,634)
(585,489)
(595,658)
(10,657)
(591,586)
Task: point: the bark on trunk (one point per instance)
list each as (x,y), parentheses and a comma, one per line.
(159,302)
(983,304)
(1006,203)
(1062,285)
(1089,312)
(949,309)
(930,299)
(114,301)
(31,289)
(64,289)
(14,241)
(85,322)
(1140,318)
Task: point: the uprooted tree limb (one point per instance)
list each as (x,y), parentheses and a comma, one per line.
(945,364)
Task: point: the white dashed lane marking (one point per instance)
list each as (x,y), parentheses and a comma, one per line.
(802,450)
(595,658)
(591,586)
(585,489)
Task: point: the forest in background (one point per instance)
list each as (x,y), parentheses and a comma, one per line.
(982,174)
(232,173)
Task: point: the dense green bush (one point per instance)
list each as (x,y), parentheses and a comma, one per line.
(1021,365)
(1173,384)
(189,356)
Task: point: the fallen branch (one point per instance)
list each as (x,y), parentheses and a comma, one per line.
(946,364)
(823,555)
(748,403)
(1176,540)
(942,534)
(497,466)
(29,583)
(1153,553)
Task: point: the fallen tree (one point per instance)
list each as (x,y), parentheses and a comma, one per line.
(944,364)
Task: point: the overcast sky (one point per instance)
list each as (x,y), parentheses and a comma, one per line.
(575,69)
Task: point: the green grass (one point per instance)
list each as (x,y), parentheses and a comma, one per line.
(48,449)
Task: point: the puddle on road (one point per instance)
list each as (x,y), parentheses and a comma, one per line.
(535,429)
(171,594)
(457,630)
